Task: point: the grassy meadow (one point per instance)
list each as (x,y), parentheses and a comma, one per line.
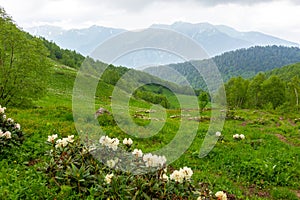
(265,165)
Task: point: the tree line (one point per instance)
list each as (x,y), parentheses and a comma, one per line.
(263,91)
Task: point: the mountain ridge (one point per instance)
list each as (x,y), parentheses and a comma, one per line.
(215,39)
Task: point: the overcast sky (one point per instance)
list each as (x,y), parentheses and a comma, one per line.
(279,18)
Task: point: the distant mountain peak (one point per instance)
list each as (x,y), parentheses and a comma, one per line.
(215,39)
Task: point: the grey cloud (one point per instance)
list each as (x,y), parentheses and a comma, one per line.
(138,5)
(241,2)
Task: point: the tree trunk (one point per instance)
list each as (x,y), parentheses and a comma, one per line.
(297,97)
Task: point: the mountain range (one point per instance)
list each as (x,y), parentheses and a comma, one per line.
(215,40)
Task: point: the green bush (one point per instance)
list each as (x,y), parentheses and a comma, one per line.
(10,134)
(104,171)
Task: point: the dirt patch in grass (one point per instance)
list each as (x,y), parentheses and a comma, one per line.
(283,139)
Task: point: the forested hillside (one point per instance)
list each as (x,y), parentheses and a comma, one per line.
(25,73)
(276,89)
(243,62)
(63,56)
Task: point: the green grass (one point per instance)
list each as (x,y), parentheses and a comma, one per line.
(262,166)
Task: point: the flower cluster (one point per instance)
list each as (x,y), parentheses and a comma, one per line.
(112,163)
(7,134)
(218,134)
(182,174)
(60,142)
(138,153)
(2,110)
(154,160)
(237,136)
(127,142)
(10,132)
(111,143)
(221,195)
(108,178)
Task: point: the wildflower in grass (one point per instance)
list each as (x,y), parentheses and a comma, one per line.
(70,138)
(10,120)
(187,172)
(65,142)
(110,143)
(2,110)
(108,178)
(4,116)
(61,143)
(7,134)
(18,126)
(221,195)
(147,158)
(177,176)
(104,140)
(127,142)
(161,160)
(114,144)
(154,160)
(111,163)
(242,136)
(51,138)
(236,136)
(138,153)
(164,177)
(218,134)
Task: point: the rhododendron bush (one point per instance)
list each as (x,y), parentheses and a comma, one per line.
(10,133)
(110,169)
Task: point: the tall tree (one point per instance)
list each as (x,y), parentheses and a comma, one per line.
(293,92)
(236,92)
(254,91)
(23,65)
(273,91)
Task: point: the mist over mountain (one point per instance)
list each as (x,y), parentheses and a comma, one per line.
(215,40)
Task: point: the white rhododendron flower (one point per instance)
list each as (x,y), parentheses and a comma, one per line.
(147,158)
(2,109)
(242,136)
(4,116)
(164,177)
(61,142)
(1,133)
(110,143)
(70,138)
(65,142)
(138,153)
(218,134)
(10,120)
(154,160)
(18,126)
(111,163)
(114,144)
(104,140)
(236,136)
(188,172)
(127,141)
(51,138)
(221,195)
(177,176)
(7,134)
(108,178)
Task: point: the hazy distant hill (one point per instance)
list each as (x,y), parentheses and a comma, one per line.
(82,40)
(215,39)
(243,62)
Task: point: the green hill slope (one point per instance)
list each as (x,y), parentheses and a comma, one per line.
(243,62)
